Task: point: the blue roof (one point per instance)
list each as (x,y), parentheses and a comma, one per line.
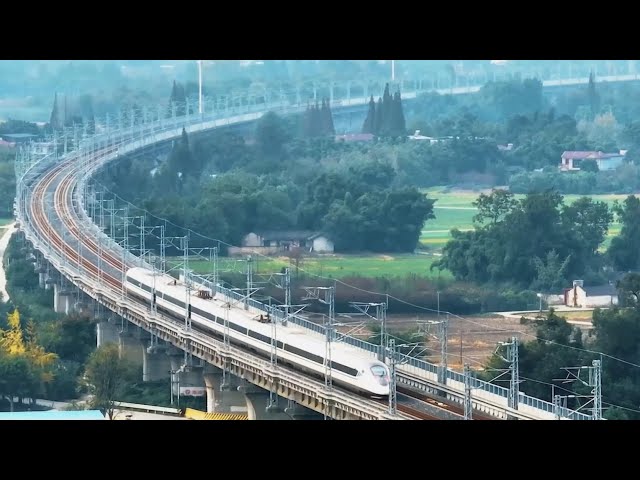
(53,415)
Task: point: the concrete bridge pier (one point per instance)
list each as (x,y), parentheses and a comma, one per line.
(107,332)
(222,398)
(41,270)
(186,375)
(82,303)
(50,279)
(257,401)
(62,298)
(129,345)
(156,365)
(298,412)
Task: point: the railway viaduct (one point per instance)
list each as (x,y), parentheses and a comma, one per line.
(85,266)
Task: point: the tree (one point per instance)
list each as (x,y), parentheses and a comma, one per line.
(12,340)
(495,206)
(370,120)
(589,165)
(551,274)
(24,365)
(398,123)
(271,134)
(593,96)
(629,290)
(623,250)
(105,371)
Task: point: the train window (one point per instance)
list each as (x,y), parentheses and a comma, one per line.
(381,374)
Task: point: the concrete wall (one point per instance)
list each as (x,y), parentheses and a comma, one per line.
(252,240)
(609,163)
(322,245)
(601,301)
(577,297)
(554,299)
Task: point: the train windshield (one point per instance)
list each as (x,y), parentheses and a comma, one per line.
(380,373)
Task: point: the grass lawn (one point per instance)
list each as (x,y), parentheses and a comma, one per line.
(584,316)
(335,266)
(454,209)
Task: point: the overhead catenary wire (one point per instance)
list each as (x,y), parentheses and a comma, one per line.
(363,290)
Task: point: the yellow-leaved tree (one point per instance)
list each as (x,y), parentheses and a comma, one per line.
(12,340)
(41,360)
(36,363)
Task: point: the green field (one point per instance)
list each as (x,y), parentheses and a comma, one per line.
(454,209)
(334,266)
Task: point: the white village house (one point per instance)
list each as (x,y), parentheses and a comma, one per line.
(582,296)
(570,161)
(283,241)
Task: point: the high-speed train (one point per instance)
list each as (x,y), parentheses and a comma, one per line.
(296,346)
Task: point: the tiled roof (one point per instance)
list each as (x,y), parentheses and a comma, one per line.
(583,155)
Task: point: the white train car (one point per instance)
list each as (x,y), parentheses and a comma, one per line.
(297,347)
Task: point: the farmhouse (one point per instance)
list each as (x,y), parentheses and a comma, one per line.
(283,241)
(355,137)
(590,297)
(570,161)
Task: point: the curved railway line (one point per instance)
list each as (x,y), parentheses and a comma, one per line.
(61,179)
(60,225)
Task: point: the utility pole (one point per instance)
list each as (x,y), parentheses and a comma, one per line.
(444,326)
(249,282)
(440,335)
(595,380)
(557,406)
(393,394)
(313,293)
(380,316)
(468,405)
(273,391)
(512,359)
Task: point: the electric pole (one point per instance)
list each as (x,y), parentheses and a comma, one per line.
(381,316)
(393,397)
(468,405)
(512,359)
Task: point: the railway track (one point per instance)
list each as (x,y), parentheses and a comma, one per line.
(61,205)
(440,403)
(65,210)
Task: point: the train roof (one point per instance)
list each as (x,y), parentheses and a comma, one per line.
(312,340)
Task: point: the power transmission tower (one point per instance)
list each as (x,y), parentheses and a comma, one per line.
(594,380)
